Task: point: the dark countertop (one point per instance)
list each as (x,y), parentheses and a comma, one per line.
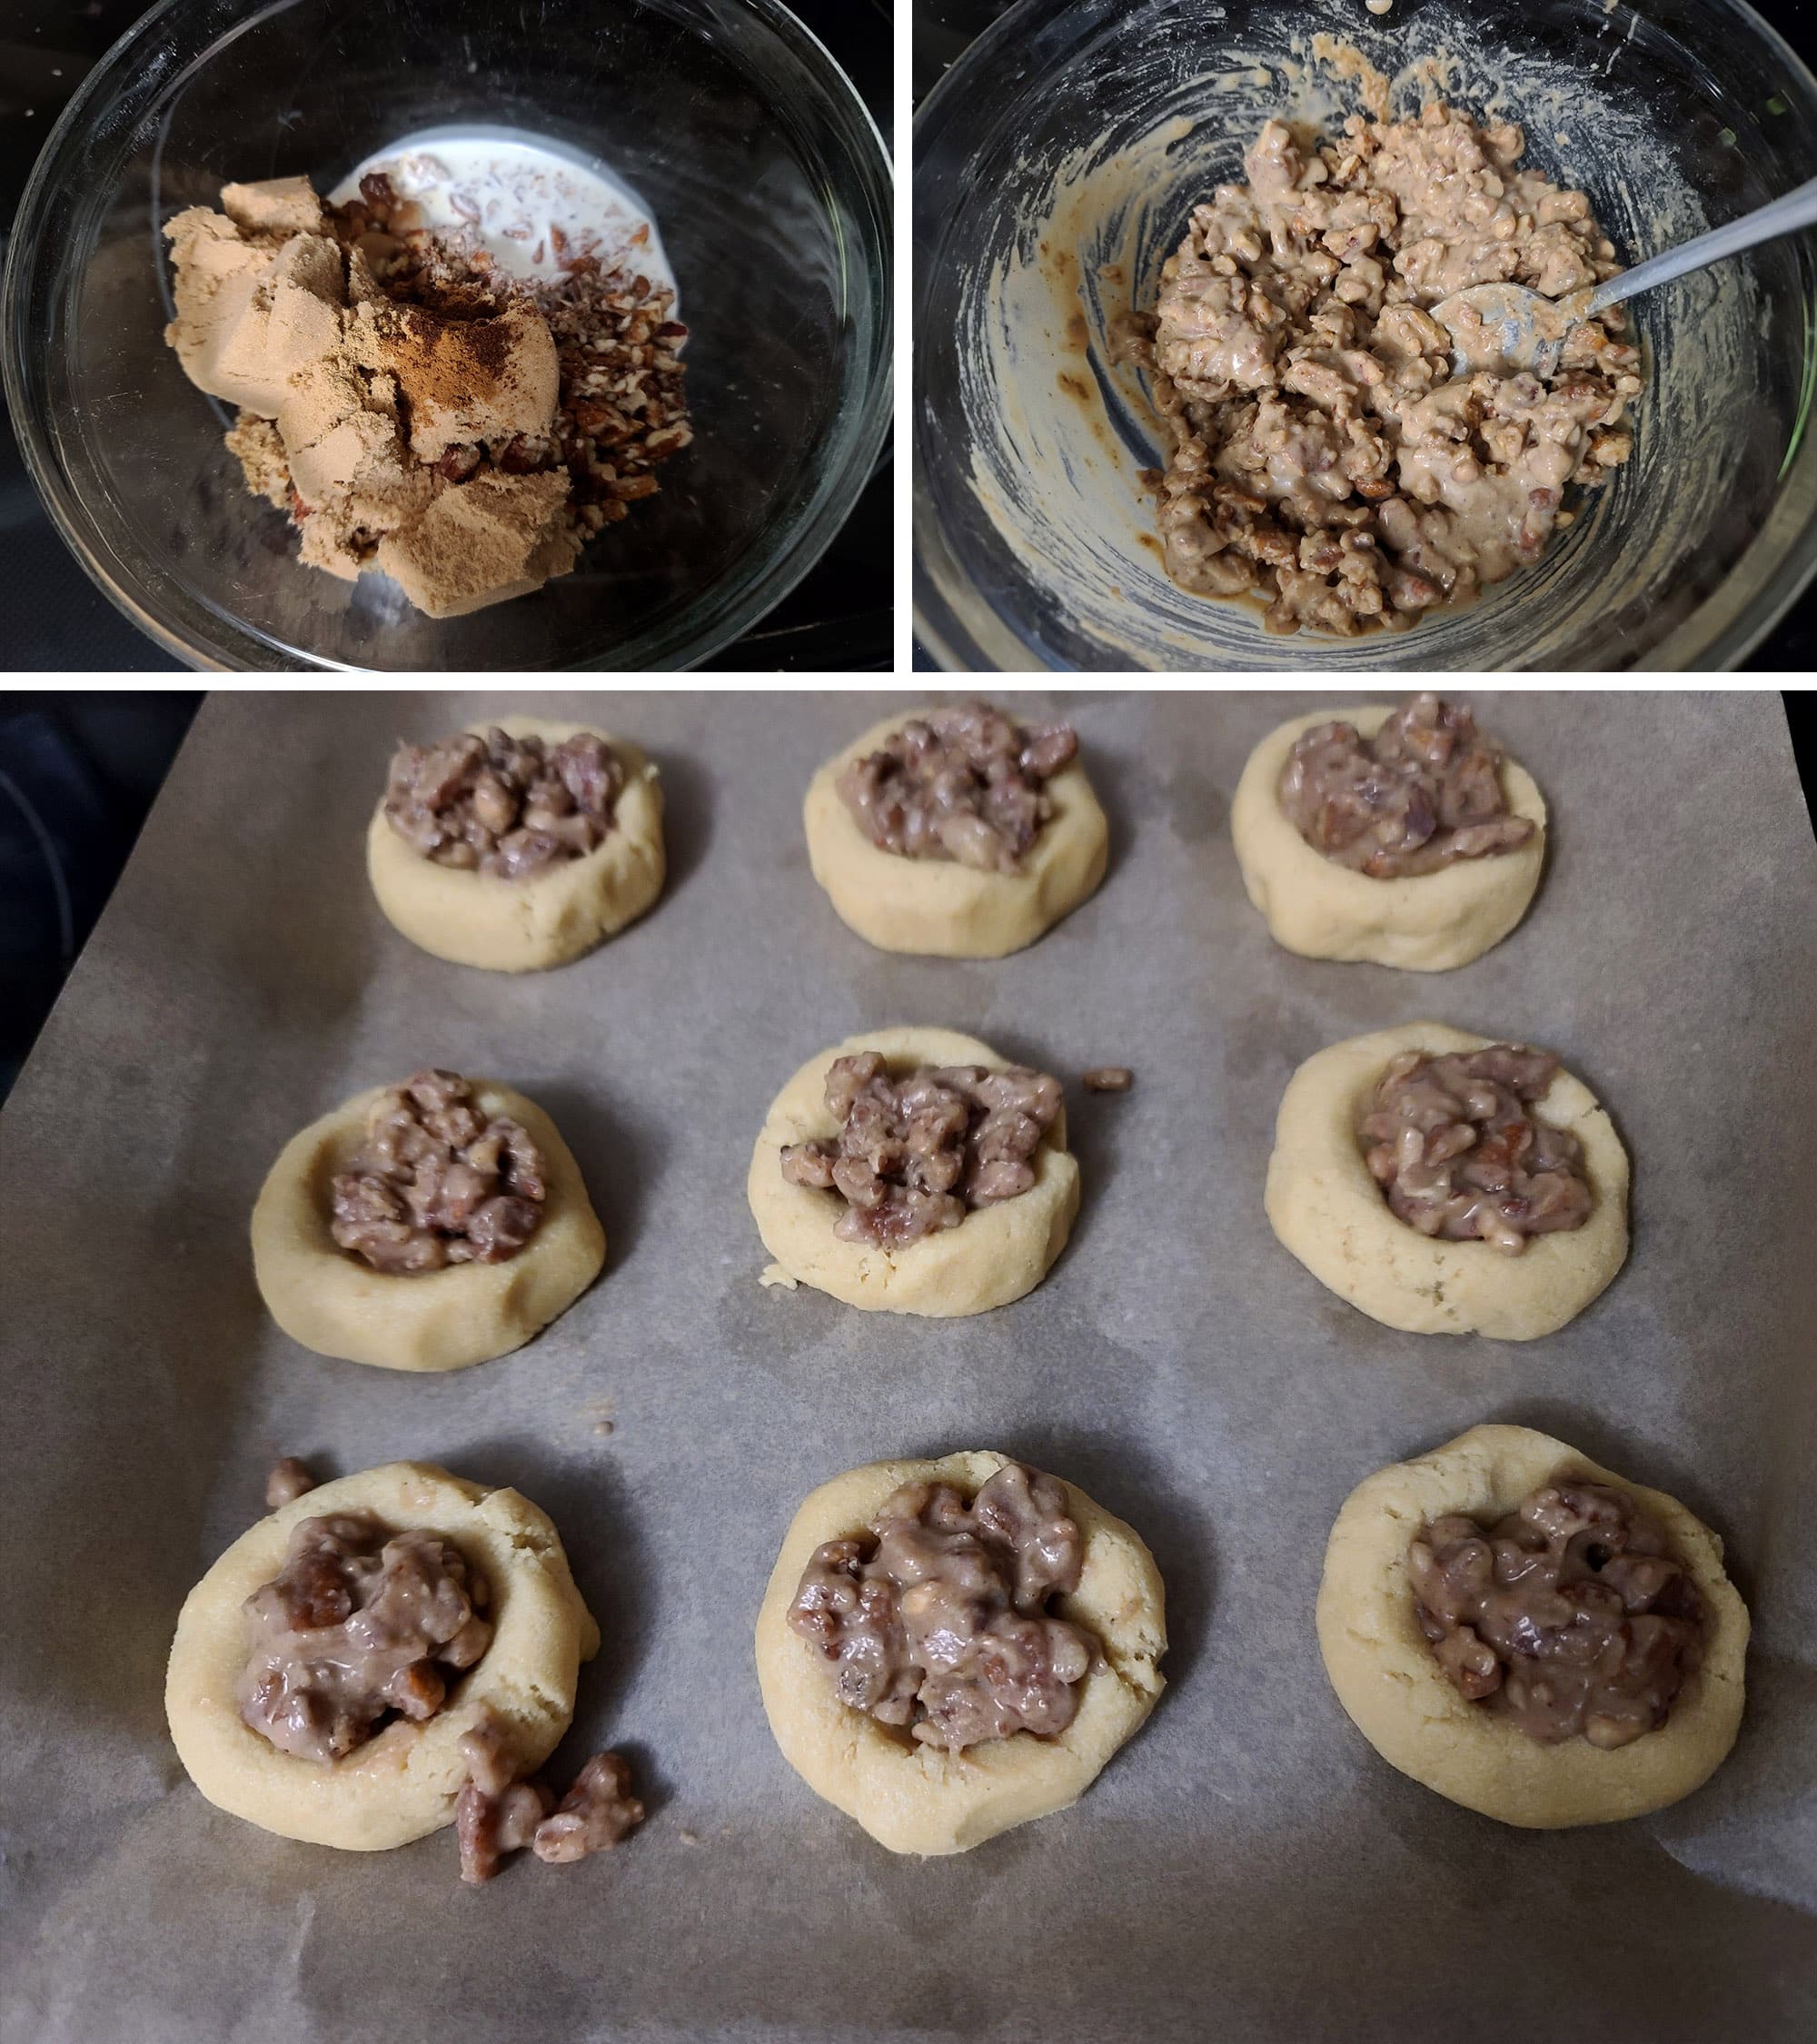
(839,618)
(944,28)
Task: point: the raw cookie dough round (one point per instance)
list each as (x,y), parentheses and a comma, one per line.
(921,1799)
(1328,1210)
(1428,923)
(1389,1680)
(331,1301)
(524,926)
(996,1254)
(935,907)
(402,1784)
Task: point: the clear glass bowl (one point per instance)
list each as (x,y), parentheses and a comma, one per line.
(770,187)
(1055,169)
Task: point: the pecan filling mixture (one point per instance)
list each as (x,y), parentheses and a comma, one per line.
(498,1812)
(1423,792)
(509,807)
(287,1480)
(598,1810)
(359,1626)
(619,409)
(1107,1079)
(1571,1618)
(437,1181)
(916,1155)
(968,784)
(940,1621)
(1453,1144)
(1326,456)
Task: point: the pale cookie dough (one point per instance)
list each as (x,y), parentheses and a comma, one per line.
(401,1784)
(1327,1209)
(937,908)
(555,916)
(997,1253)
(1389,1681)
(921,1799)
(333,1302)
(1428,923)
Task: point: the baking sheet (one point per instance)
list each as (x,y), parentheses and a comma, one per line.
(1246,1868)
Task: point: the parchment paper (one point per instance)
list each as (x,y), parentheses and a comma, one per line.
(1246,1868)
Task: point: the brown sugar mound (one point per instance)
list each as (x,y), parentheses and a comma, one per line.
(481,541)
(415,415)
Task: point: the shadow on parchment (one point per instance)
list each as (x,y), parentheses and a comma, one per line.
(612,1570)
(688,802)
(1124,793)
(618,1155)
(1098,1128)
(134,1451)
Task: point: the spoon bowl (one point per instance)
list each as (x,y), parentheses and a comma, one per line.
(1506,326)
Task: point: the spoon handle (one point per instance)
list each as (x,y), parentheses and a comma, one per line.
(1783,216)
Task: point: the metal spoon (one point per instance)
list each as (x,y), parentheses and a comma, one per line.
(1505,325)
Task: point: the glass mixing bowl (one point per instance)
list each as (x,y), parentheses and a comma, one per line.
(770,187)
(1056,166)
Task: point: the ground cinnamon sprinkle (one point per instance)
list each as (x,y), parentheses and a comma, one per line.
(455,363)
(619,405)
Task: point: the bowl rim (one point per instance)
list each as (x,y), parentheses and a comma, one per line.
(964,633)
(864,431)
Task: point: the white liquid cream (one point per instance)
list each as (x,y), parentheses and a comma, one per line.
(526,202)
